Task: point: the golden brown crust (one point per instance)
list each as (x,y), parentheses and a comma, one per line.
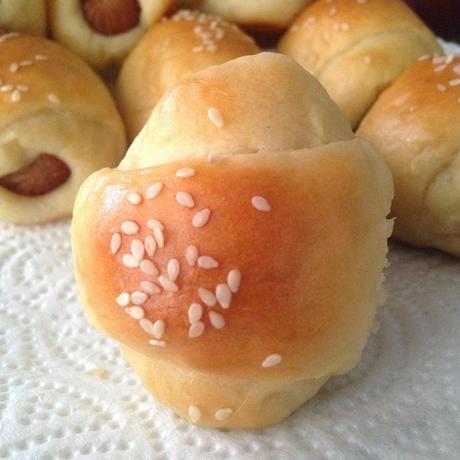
(356,49)
(52,102)
(69,26)
(414,123)
(169,51)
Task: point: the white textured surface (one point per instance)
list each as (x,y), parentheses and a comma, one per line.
(403,401)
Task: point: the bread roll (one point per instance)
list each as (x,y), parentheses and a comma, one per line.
(58,124)
(253,14)
(238,287)
(23,16)
(415,124)
(356,48)
(170,50)
(103,32)
(295,113)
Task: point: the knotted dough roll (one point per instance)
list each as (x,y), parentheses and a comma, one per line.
(356,48)
(23,16)
(237,287)
(58,124)
(170,50)
(415,124)
(103,32)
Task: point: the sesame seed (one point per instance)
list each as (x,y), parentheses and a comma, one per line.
(15,96)
(440,68)
(157,343)
(150,288)
(150,245)
(196,329)
(223,414)
(14,66)
(367,59)
(207,262)
(332,11)
(22,88)
(149,268)
(185,172)
(154,190)
(216,117)
(153,223)
(456,69)
(455,82)
(438,60)
(424,57)
(6,88)
(234,280)
(135,312)
(194,413)
(130,261)
(361,2)
(223,295)
(40,57)
(147,325)
(344,27)
(53,98)
(159,327)
(216,320)
(442,88)
(173,269)
(201,218)
(310,20)
(449,58)
(195,312)
(207,297)
(198,49)
(272,360)
(214,157)
(185,199)
(159,237)
(115,243)
(167,284)
(123,299)
(260,203)
(139,297)
(7,36)
(191,255)
(129,227)
(137,249)
(134,198)
(25,62)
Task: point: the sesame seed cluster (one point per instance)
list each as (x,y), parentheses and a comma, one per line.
(17,90)
(208,309)
(444,65)
(210,30)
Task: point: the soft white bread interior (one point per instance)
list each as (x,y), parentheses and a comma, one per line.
(23,16)
(52,104)
(415,125)
(237,287)
(357,48)
(103,32)
(170,50)
(221,110)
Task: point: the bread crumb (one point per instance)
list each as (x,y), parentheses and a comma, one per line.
(98,372)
